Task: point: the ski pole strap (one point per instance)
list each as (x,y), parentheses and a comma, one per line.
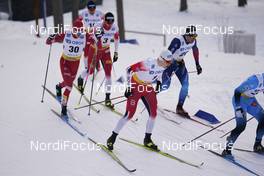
(99,102)
(209,131)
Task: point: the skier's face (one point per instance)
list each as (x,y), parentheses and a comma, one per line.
(77,32)
(190,38)
(91,10)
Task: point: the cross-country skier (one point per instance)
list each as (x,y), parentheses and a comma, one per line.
(244,102)
(140,76)
(103,53)
(179,47)
(73,45)
(91,17)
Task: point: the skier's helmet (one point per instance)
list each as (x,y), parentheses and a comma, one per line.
(166,55)
(78,28)
(109,18)
(91,5)
(191,31)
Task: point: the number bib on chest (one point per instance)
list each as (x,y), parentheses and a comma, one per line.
(73,47)
(183,50)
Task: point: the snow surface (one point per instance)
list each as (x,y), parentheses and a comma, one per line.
(23,118)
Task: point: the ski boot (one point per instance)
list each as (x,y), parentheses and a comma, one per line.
(108,102)
(226,152)
(80,84)
(111,140)
(181,111)
(258,148)
(58,92)
(64,112)
(229,145)
(149,143)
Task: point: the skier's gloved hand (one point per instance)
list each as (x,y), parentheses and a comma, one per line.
(50,39)
(99,32)
(239,112)
(199,69)
(128,92)
(158,86)
(115,56)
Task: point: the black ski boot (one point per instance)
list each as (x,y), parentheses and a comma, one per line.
(80,84)
(258,148)
(149,143)
(64,111)
(181,111)
(108,102)
(229,146)
(226,152)
(58,92)
(111,140)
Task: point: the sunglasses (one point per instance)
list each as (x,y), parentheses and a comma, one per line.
(91,7)
(194,36)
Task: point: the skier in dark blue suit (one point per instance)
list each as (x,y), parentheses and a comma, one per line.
(179,47)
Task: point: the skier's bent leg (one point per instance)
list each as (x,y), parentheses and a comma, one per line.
(183,77)
(240,127)
(260,130)
(257,111)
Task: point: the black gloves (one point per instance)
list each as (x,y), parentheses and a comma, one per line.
(115,57)
(99,32)
(128,92)
(199,69)
(158,85)
(50,39)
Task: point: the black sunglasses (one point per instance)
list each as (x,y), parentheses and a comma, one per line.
(91,7)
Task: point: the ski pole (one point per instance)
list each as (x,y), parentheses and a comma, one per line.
(91,94)
(104,80)
(99,102)
(86,80)
(192,71)
(46,75)
(209,131)
(143,110)
(231,130)
(120,101)
(100,86)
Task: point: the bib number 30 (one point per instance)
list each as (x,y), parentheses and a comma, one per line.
(74,49)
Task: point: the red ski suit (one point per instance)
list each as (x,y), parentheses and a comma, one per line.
(69,62)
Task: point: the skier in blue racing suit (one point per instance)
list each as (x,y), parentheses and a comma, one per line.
(179,47)
(244,102)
